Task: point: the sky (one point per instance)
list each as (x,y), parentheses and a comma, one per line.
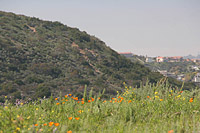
(143,27)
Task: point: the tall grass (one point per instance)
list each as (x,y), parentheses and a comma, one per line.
(150,108)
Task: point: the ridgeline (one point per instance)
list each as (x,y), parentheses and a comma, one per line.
(38,58)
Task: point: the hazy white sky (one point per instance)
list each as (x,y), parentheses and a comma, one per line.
(144,27)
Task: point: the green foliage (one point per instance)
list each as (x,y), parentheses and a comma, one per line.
(150,108)
(34,52)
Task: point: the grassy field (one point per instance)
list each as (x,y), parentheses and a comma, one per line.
(151,108)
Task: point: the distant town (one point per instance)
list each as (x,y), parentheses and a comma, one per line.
(193,65)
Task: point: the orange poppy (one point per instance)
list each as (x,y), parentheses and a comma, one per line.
(129,101)
(77,118)
(66,96)
(66,100)
(69,94)
(36,125)
(56,124)
(89,101)
(76,98)
(82,99)
(70,118)
(92,99)
(57,103)
(82,102)
(69,131)
(44,124)
(171,131)
(51,123)
(147,96)
(56,98)
(110,101)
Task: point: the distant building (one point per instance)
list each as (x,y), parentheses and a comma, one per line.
(195,60)
(175,59)
(196,78)
(181,77)
(126,54)
(150,59)
(160,59)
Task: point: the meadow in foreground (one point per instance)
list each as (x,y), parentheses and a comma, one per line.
(151,108)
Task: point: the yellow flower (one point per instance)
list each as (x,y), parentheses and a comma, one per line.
(36,109)
(161,99)
(18,129)
(156,96)
(21,103)
(179,96)
(17,116)
(6,107)
(80,111)
(156,93)
(5,96)
(29,128)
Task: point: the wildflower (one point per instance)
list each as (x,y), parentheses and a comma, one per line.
(52,111)
(156,93)
(78,101)
(99,98)
(76,98)
(92,99)
(56,124)
(104,101)
(36,125)
(147,96)
(161,99)
(77,118)
(57,103)
(82,99)
(156,96)
(69,131)
(89,101)
(36,109)
(171,131)
(18,129)
(70,118)
(110,101)
(191,100)
(178,96)
(181,91)
(5,96)
(63,102)
(66,96)
(21,103)
(56,98)
(82,102)
(70,94)
(6,107)
(66,100)
(80,111)
(51,123)
(44,124)
(129,101)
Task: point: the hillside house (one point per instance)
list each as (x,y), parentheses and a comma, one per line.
(150,59)
(175,59)
(126,54)
(197,78)
(161,59)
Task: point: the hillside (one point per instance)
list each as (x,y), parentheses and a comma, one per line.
(38,58)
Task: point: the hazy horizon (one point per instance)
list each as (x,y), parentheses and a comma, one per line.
(153,28)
